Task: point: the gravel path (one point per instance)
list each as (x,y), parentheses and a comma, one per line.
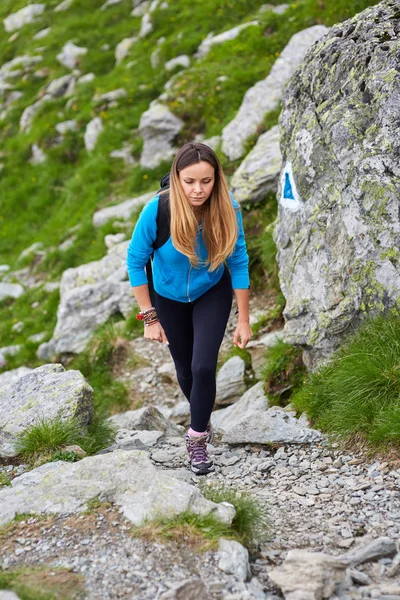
(318,497)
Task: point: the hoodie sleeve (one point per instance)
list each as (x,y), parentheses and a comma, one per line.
(238,262)
(141,245)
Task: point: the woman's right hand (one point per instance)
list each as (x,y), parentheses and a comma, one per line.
(155,332)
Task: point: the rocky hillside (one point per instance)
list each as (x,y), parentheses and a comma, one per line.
(96,501)
(94,98)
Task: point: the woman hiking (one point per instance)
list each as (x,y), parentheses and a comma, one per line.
(194,273)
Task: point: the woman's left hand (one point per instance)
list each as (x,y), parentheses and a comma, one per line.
(242,335)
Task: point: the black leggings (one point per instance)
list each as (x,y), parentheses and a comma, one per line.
(195,331)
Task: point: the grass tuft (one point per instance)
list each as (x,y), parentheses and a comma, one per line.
(250,524)
(44,440)
(358,391)
(47,436)
(283,371)
(202,532)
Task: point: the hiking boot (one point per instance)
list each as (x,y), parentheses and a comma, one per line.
(210,433)
(199,462)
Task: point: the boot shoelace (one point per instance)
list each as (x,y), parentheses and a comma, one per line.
(198,449)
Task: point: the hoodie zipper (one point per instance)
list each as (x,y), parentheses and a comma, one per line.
(187,289)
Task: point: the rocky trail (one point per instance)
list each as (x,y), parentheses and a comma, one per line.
(339,511)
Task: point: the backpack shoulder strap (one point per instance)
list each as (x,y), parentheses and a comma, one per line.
(163,220)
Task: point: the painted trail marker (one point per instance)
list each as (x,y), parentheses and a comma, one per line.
(290,198)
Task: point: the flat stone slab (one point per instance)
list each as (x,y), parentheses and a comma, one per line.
(126,478)
(274,426)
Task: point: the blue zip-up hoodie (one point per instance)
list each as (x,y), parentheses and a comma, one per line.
(173,275)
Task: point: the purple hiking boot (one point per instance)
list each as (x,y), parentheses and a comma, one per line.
(198,458)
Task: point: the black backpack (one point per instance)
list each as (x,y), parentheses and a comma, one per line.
(163,229)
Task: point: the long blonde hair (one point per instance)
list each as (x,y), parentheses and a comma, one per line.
(220,228)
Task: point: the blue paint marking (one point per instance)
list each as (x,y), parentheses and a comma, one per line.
(288,191)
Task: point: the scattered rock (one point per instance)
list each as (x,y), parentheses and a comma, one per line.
(147,418)
(230,381)
(70,55)
(146,26)
(259,172)
(89,295)
(308,575)
(38,156)
(190,588)
(111,96)
(233,559)
(93,130)
(22,17)
(65,5)
(158,127)
(122,49)
(123,211)
(252,401)
(42,33)
(182,61)
(10,290)
(226,36)
(275,426)
(66,126)
(265,95)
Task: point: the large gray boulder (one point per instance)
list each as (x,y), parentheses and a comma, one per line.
(338,228)
(46,393)
(266,95)
(259,172)
(126,478)
(158,127)
(89,295)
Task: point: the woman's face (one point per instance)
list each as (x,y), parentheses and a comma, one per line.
(197,182)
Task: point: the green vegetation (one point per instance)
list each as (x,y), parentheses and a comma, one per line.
(95,504)
(54,201)
(249,526)
(358,391)
(272,319)
(283,371)
(258,220)
(250,523)
(4,480)
(42,440)
(42,584)
(100,361)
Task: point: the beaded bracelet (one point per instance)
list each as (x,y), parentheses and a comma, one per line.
(151,322)
(148,316)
